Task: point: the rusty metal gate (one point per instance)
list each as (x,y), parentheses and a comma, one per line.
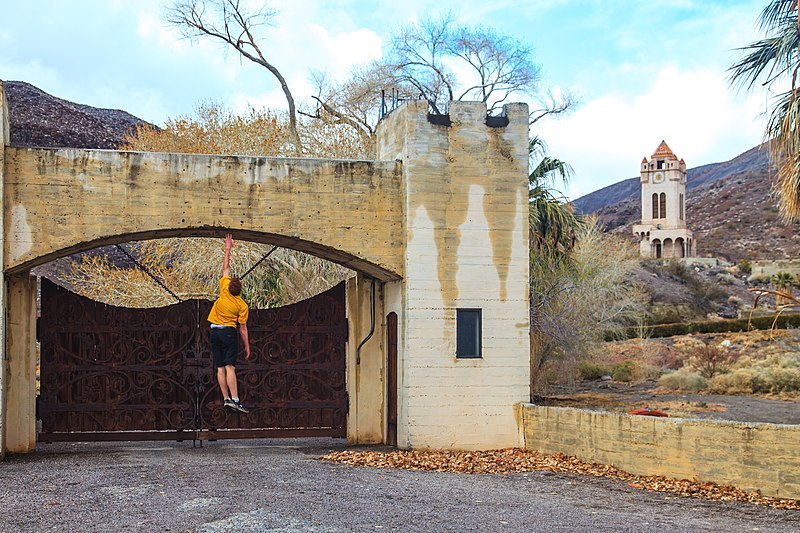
(111,373)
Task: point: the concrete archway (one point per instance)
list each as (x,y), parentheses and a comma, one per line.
(436,224)
(67,200)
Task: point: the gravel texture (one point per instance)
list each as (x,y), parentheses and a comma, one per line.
(281,485)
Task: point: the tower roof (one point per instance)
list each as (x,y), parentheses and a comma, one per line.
(663,151)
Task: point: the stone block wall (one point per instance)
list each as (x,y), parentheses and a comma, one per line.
(467,247)
(751,456)
(767,269)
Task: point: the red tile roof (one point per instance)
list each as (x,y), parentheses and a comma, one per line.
(663,151)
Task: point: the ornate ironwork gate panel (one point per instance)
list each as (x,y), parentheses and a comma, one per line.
(110,373)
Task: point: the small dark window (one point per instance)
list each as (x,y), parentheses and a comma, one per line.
(468,333)
(659,164)
(655,205)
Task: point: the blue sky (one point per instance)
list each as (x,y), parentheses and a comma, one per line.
(644,70)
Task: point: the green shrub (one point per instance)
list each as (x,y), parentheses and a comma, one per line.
(623,371)
(745,266)
(646,371)
(785,320)
(707,293)
(737,382)
(773,375)
(678,269)
(592,370)
(683,380)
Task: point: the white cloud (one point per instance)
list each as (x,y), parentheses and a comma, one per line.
(695,111)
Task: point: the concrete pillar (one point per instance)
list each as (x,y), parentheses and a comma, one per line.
(4,141)
(20,359)
(365,367)
(466,221)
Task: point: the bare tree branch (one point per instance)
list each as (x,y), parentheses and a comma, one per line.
(232,23)
(553,105)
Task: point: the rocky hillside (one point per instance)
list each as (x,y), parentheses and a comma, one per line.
(40,119)
(729,206)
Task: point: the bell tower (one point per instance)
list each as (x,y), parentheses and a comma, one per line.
(662,232)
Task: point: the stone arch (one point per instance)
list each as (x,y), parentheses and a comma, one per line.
(655,248)
(668,248)
(322,251)
(66,200)
(680,248)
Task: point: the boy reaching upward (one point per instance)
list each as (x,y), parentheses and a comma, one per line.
(228,314)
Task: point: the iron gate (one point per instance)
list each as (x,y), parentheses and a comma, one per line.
(112,373)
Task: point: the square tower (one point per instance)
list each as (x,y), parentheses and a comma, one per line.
(662,232)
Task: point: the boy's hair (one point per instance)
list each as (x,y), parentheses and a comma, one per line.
(235,287)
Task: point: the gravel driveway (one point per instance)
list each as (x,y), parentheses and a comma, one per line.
(279,485)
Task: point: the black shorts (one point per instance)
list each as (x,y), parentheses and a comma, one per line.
(224,346)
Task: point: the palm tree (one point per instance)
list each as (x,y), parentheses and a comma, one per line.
(783,282)
(773,61)
(553,222)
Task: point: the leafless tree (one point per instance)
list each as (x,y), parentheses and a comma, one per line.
(355,102)
(422,61)
(233,23)
(501,66)
(418,54)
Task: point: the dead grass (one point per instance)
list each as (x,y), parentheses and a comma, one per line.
(757,363)
(190,268)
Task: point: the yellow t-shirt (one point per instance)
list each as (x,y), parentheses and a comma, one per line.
(228,309)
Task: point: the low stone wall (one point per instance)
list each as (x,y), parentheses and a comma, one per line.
(766,269)
(751,456)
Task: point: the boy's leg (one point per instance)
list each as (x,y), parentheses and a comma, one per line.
(230,374)
(223,382)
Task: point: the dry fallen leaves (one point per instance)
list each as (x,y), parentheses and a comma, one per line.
(513,460)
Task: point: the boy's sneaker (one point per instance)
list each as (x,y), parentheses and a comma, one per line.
(239,407)
(229,403)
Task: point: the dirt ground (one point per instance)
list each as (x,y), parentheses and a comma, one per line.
(623,397)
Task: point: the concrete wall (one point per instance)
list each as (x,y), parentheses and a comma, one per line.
(441,221)
(20,350)
(766,269)
(366,369)
(750,456)
(4,141)
(63,200)
(467,226)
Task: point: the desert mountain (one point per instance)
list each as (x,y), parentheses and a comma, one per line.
(40,119)
(729,206)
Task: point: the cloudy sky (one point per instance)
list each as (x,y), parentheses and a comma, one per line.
(644,70)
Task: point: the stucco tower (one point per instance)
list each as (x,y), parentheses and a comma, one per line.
(662,232)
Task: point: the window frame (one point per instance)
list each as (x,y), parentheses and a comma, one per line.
(478,334)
